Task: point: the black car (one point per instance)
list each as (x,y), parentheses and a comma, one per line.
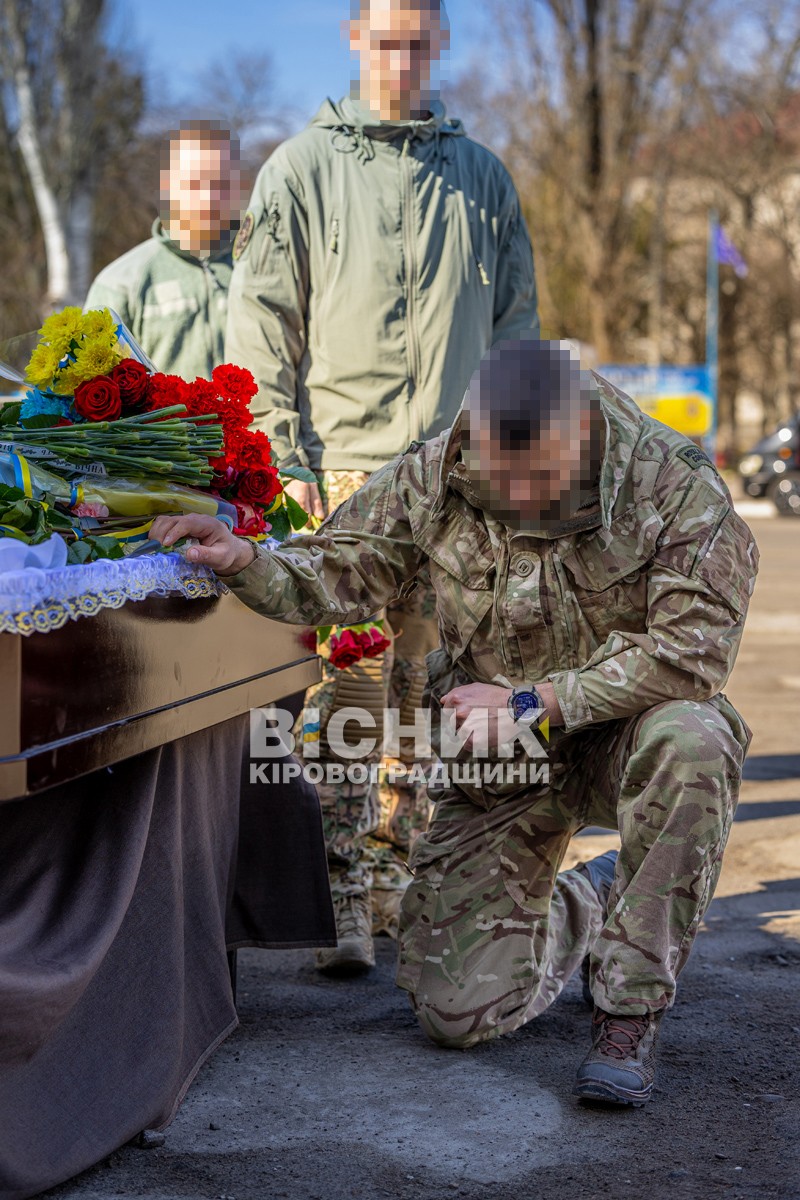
(772,460)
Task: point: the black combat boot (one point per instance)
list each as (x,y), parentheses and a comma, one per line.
(621,1066)
(600,873)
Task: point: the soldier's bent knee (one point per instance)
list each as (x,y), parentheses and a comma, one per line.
(456,1032)
(669,727)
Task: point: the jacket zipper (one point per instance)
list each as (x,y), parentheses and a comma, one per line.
(209,331)
(416,429)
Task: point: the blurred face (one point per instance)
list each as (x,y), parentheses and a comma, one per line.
(200,194)
(396,43)
(535,481)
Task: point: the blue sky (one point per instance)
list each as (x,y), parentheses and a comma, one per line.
(177,37)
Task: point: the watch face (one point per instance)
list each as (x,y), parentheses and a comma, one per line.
(527,707)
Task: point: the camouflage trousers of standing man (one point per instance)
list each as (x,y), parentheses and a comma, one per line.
(490,932)
(370,828)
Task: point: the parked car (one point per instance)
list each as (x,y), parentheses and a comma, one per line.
(766,466)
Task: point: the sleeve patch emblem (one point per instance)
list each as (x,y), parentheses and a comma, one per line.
(244,234)
(695,457)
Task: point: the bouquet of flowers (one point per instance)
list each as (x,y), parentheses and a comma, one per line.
(102,442)
(95,408)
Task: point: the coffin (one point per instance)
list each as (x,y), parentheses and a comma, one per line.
(104,688)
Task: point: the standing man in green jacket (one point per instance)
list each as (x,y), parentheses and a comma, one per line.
(172,290)
(383,253)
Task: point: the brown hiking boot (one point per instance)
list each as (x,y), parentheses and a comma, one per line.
(621,1066)
(355,952)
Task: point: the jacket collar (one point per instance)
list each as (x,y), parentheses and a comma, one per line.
(160,234)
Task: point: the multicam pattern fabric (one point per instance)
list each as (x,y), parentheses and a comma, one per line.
(634,611)
(490,933)
(370,828)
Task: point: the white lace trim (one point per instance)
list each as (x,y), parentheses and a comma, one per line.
(37,601)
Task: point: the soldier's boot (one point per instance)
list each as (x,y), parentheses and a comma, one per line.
(600,873)
(386,904)
(355,952)
(620,1067)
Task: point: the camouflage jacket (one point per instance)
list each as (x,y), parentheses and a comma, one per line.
(640,599)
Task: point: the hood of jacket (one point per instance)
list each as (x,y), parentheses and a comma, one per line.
(349,116)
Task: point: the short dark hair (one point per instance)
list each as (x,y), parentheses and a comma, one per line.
(198,130)
(526,379)
(360,8)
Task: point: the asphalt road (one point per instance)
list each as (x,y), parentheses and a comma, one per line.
(329,1090)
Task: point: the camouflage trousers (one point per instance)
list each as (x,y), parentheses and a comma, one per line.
(369,828)
(490,932)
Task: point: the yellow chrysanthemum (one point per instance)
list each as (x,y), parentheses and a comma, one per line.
(61,326)
(98,323)
(67,380)
(42,366)
(94,358)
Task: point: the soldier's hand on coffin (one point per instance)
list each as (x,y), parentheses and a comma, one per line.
(218,548)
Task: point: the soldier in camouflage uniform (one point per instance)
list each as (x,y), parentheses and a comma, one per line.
(597,556)
(383,252)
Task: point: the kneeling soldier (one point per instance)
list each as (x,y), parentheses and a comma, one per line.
(589,571)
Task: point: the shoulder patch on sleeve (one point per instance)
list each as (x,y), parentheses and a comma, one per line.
(695,457)
(245,233)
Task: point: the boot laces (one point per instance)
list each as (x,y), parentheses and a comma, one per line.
(350,916)
(619,1037)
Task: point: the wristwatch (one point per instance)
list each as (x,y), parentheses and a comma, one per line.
(526,706)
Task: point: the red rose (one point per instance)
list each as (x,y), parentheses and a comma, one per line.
(345,649)
(131,377)
(377,642)
(308,640)
(234,383)
(224,476)
(250,521)
(98,399)
(259,487)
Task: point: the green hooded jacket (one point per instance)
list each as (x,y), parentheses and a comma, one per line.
(377,263)
(174,304)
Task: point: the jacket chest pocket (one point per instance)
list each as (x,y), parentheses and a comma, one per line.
(462,572)
(608,571)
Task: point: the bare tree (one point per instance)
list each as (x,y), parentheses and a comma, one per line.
(66,101)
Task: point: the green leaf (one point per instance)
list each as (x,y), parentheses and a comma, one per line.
(40,421)
(304,474)
(107,547)
(280,525)
(9,493)
(19,514)
(79,552)
(323,633)
(9,412)
(298,517)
